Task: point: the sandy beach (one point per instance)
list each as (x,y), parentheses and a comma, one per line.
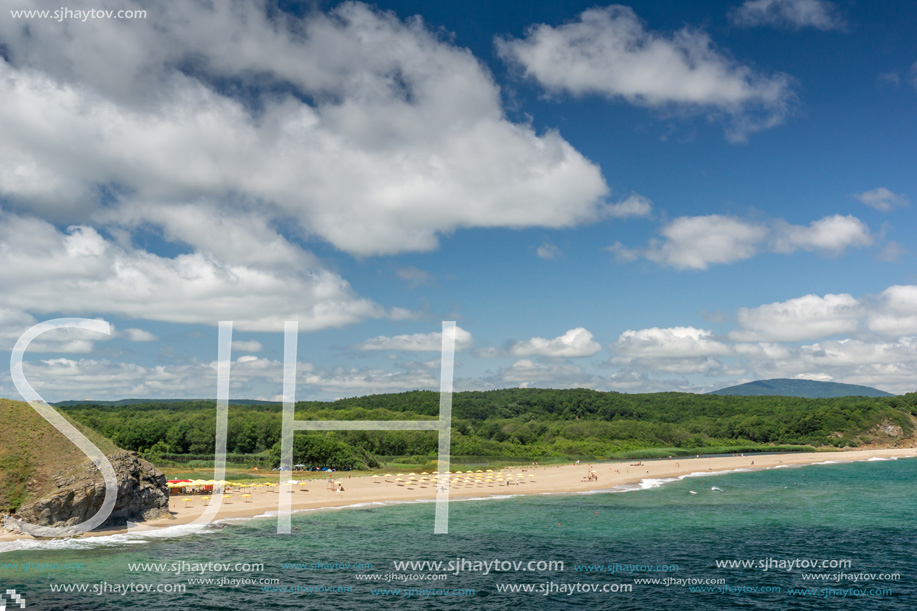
(531,480)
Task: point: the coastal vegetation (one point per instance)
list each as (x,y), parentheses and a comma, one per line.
(33,453)
(516,423)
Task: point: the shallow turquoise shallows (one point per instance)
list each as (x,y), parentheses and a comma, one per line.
(830,536)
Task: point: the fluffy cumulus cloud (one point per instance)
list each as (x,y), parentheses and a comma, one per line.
(869,340)
(211,125)
(609,52)
(803,318)
(353,381)
(250,376)
(527,373)
(697,242)
(634,205)
(818,14)
(882,199)
(94,378)
(371,133)
(673,342)
(417,342)
(829,235)
(895,312)
(573,343)
(97,273)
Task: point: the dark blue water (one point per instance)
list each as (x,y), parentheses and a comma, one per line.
(861,515)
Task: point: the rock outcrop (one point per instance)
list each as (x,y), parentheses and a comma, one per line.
(142,495)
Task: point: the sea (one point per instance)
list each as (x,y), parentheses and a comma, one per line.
(839,536)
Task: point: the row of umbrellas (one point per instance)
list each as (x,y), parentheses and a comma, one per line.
(459,477)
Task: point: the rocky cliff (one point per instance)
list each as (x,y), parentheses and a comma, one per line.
(142,495)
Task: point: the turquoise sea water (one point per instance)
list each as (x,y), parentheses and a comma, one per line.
(861,513)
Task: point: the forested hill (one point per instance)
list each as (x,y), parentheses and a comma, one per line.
(811,389)
(522,422)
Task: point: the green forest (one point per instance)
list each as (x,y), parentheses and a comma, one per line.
(510,423)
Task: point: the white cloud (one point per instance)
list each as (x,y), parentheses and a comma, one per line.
(696,242)
(882,199)
(829,235)
(575,342)
(97,275)
(673,342)
(59,379)
(895,312)
(608,51)
(355,382)
(635,205)
(809,317)
(818,377)
(417,342)
(247,346)
(403,137)
(548,251)
(137,335)
(859,353)
(526,373)
(763,351)
(818,14)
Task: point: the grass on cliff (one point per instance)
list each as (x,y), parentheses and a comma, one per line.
(33,452)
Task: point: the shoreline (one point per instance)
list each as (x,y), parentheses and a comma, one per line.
(563,479)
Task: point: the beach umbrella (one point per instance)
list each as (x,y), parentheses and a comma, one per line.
(247,497)
(228,498)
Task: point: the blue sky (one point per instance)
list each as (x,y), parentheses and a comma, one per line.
(644,197)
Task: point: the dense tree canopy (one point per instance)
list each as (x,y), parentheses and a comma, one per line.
(513,422)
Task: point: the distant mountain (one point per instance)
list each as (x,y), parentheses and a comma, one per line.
(810,389)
